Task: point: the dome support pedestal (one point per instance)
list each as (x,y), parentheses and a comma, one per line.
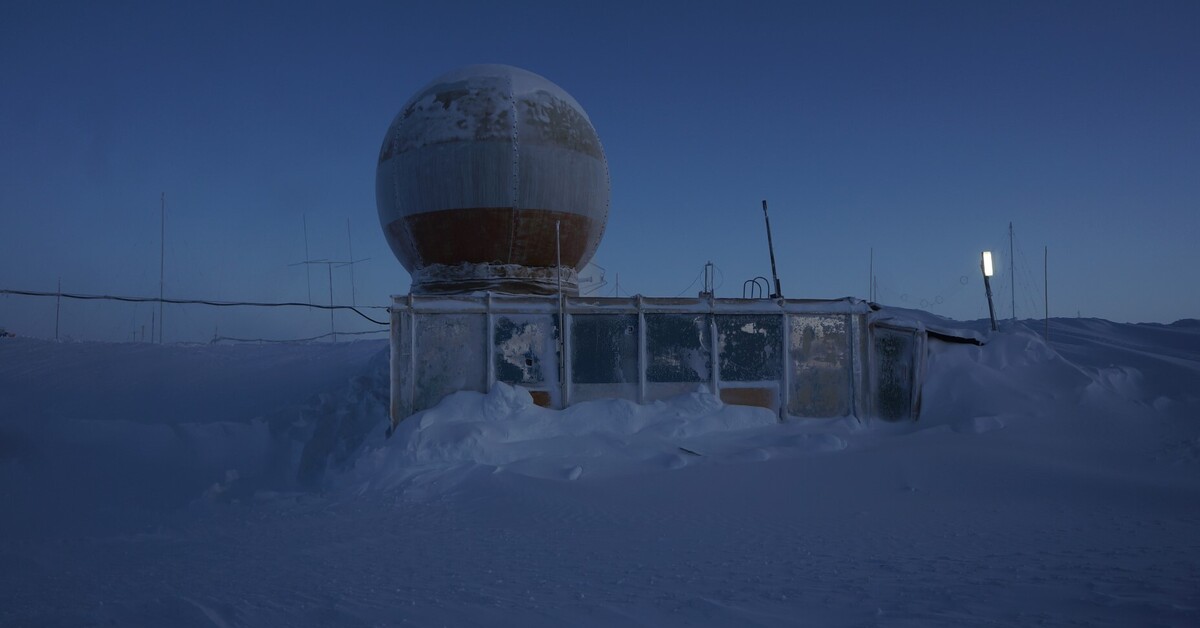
(502,278)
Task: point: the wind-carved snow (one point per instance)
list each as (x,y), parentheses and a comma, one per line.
(506,432)
(1053,484)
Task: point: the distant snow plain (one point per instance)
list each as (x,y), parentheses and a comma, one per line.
(1045,483)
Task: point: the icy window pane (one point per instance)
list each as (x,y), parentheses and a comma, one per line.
(523,345)
(677,347)
(820,355)
(749,347)
(893,373)
(604,348)
(442,335)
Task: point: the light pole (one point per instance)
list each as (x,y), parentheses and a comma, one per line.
(986,265)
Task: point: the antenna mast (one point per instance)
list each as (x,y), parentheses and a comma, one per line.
(162,255)
(771,247)
(350,241)
(1012,272)
(307,272)
(1046,285)
(332,331)
(562,322)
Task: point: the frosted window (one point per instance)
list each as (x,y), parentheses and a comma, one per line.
(820,357)
(894,353)
(438,336)
(604,349)
(750,347)
(523,345)
(678,348)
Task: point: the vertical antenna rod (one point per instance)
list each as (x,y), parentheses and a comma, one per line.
(1046,284)
(1012,274)
(332,331)
(350,241)
(558,255)
(771,247)
(562,323)
(162,255)
(307,272)
(871,278)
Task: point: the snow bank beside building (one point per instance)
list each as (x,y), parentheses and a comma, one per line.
(1045,483)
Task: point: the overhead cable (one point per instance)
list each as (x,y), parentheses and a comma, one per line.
(105,297)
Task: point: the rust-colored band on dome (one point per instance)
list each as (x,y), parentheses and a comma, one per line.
(490,235)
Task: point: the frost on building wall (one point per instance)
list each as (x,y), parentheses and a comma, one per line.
(750,347)
(519,347)
(604,356)
(895,352)
(678,353)
(797,358)
(821,366)
(460,335)
(524,353)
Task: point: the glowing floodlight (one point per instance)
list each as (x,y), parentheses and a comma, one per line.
(986,265)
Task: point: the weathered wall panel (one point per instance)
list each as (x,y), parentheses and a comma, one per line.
(761,396)
(666,390)
(590,392)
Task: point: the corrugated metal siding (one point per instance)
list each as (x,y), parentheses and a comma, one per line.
(452,176)
(553,177)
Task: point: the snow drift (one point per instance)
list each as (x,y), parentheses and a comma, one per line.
(1053,483)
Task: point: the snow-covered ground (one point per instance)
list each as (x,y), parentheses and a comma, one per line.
(1045,484)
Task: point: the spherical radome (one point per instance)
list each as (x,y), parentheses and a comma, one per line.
(475,174)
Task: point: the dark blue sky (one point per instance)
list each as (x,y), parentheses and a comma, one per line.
(917,129)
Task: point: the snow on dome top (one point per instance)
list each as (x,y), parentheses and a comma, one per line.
(521,82)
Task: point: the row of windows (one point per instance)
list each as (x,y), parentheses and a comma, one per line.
(605,350)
